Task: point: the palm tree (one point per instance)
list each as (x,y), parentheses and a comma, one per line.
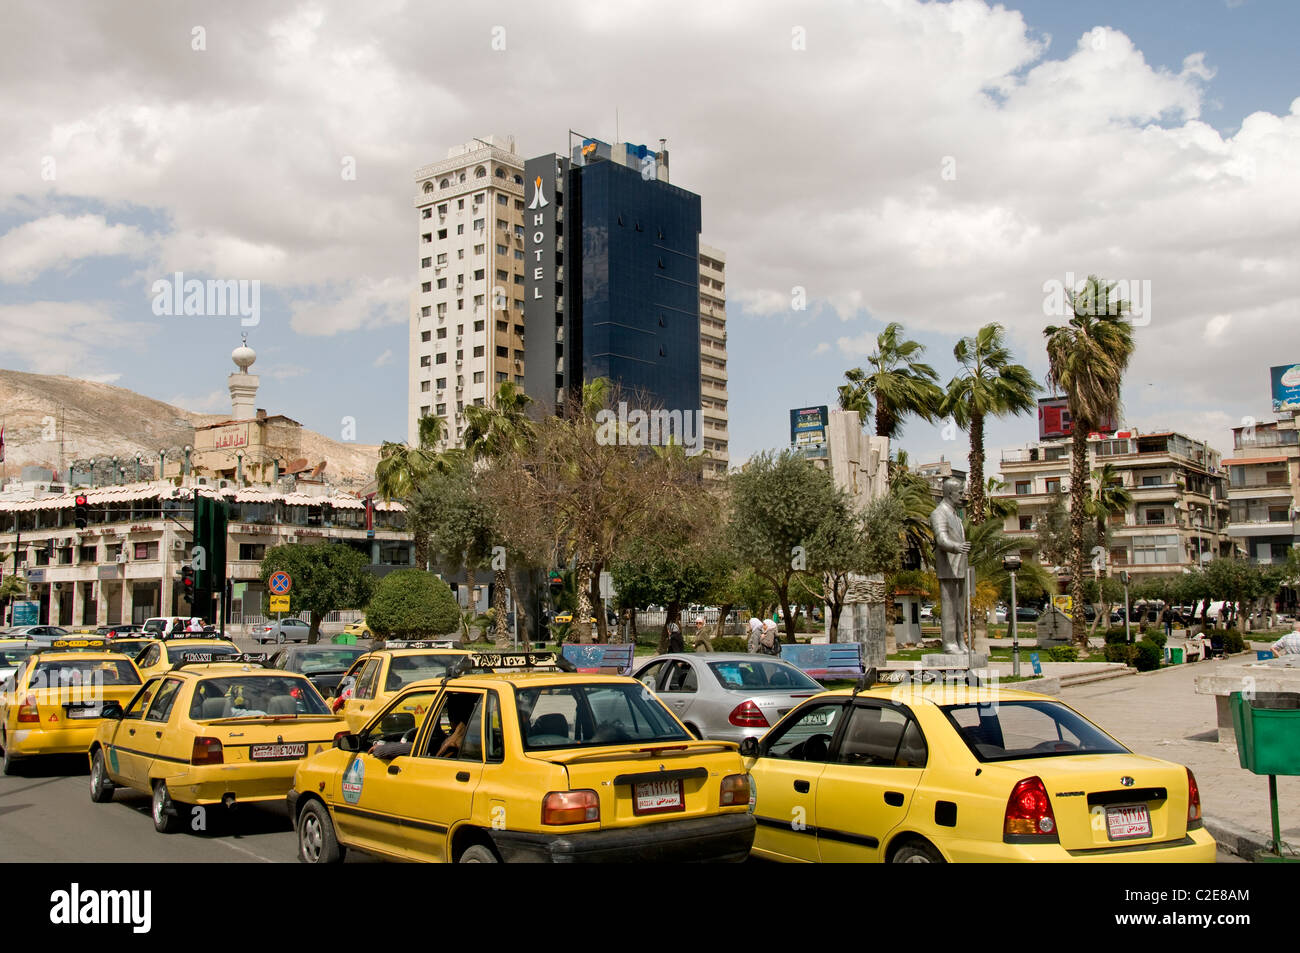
(1086,359)
(989,385)
(1108,499)
(999,507)
(402,468)
(492,433)
(912,493)
(897,382)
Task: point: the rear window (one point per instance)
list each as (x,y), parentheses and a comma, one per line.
(1010,731)
(579,716)
(11,655)
(404,669)
(330,660)
(72,672)
(243,696)
(759,676)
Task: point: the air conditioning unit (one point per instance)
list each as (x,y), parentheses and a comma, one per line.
(223,484)
(120,558)
(178,544)
(459,362)
(202,481)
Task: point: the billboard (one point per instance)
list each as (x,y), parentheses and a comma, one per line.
(1054,419)
(1285,382)
(808,426)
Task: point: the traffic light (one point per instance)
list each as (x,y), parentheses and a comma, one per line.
(187,579)
(81,511)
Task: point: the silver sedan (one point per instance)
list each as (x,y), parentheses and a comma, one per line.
(726,695)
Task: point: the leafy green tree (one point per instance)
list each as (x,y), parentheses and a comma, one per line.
(402,468)
(326,577)
(674,575)
(11,588)
(851,543)
(1110,498)
(990,384)
(1086,359)
(463,524)
(999,507)
(912,493)
(410,604)
(896,381)
(778,503)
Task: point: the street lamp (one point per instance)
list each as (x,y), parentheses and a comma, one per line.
(239,466)
(138,457)
(162,458)
(1011,563)
(1128,634)
(188,451)
(115,471)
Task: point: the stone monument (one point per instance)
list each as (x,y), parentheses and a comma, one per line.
(951,565)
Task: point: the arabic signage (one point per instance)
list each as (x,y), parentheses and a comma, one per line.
(1285,381)
(230,438)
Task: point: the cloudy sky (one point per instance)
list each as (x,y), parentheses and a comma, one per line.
(936,164)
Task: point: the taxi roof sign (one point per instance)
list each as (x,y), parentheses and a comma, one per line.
(77,644)
(496,661)
(422,644)
(236,658)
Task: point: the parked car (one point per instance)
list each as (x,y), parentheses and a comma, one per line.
(1027,614)
(286,630)
(927,612)
(724,695)
(41,634)
(358,629)
(1000,614)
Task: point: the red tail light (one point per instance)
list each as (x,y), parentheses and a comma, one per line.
(207,751)
(27,711)
(1029,812)
(570,807)
(1193,802)
(735,790)
(747,715)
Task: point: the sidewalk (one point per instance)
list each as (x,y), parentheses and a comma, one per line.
(1160,714)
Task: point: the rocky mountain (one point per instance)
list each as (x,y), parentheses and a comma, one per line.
(50,421)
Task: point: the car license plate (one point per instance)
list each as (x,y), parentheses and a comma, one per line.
(655,797)
(816,718)
(89,711)
(1132,820)
(278,752)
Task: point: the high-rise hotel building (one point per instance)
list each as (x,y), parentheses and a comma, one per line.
(597,255)
(467,321)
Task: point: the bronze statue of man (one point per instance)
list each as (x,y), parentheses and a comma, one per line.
(950,551)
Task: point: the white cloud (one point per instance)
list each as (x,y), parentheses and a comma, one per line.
(61,337)
(213,402)
(55,241)
(383,359)
(1216,326)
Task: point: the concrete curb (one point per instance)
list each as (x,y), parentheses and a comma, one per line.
(1236,839)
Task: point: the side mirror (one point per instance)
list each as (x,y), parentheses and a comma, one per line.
(111,709)
(348,742)
(749,748)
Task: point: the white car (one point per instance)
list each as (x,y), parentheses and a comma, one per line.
(927,612)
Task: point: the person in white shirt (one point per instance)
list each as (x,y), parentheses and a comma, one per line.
(196,625)
(1289,644)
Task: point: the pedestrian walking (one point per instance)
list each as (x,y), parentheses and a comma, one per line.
(675,643)
(755,634)
(1289,644)
(770,641)
(1168,618)
(702,643)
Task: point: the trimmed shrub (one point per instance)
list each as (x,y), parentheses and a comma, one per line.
(1148,657)
(1063,653)
(1116,636)
(411,604)
(1233,642)
(1120,652)
(1157,635)
(730,643)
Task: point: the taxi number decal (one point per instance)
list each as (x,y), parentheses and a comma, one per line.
(353,779)
(278,752)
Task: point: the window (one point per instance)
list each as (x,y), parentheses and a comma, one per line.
(1151,481)
(1032,729)
(424,387)
(441,383)
(460,205)
(427,237)
(441,410)
(442,209)
(88,554)
(252,550)
(478,226)
(503,224)
(479,274)
(479,300)
(1052,484)
(519,231)
(502,274)
(882,737)
(424,311)
(442,334)
(424,360)
(681,679)
(424,337)
(1155,516)
(503,351)
(365,686)
(478,325)
(519,355)
(426,213)
(479,198)
(501,249)
(480,249)
(568,716)
(478,351)
(442,259)
(442,283)
(1024,487)
(426,262)
(457,728)
(442,233)
(503,200)
(163,701)
(460,230)
(478,377)
(426,286)
(503,327)
(519,256)
(1026,522)
(442,309)
(807,736)
(440,358)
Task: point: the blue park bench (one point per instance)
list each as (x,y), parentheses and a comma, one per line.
(824,661)
(605,659)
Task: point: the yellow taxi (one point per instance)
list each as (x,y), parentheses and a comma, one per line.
(374,677)
(949,773)
(358,629)
(164,653)
(488,765)
(564,618)
(207,733)
(53,702)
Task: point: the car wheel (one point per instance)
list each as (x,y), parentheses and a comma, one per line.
(918,852)
(479,854)
(695,731)
(317,843)
(166,819)
(101,788)
(10,764)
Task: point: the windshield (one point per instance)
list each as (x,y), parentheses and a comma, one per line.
(70,672)
(761,676)
(1031,729)
(327,660)
(579,716)
(11,655)
(241,696)
(404,669)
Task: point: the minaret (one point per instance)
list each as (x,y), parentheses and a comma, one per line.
(243,385)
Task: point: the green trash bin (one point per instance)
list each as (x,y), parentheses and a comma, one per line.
(1267,727)
(343,638)
(1174,654)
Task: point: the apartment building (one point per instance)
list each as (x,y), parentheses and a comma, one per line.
(467,316)
(1179,514)
(713,359)
(1263,490)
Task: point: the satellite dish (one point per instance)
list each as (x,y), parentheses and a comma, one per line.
(298,465)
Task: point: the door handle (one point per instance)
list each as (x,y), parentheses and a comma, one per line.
(130,731)
(157,734)
(394,769)
(462,775)
(894,798)
(801,787)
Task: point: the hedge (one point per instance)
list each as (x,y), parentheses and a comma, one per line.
(1063,653)
(1233,642)
(1148,657)
(1121,652)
